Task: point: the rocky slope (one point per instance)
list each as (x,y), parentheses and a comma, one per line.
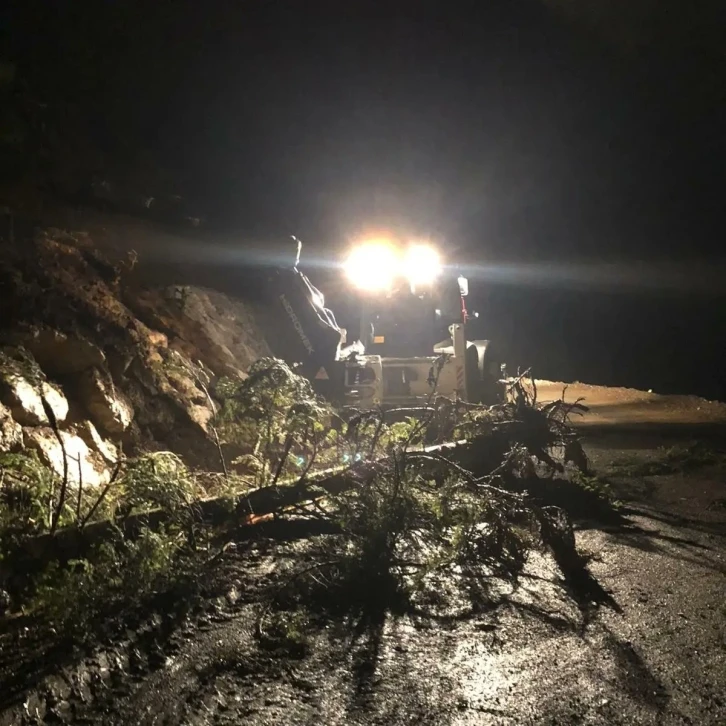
(94,365)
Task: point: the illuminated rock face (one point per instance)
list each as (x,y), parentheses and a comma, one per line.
(85,466)
(107,366)
(107,407)
(11,433)
(24,387)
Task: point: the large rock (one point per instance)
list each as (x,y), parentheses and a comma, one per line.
(203,325)
(23,386)
(11,434)
(201,416)
(25,399)
(89,433)
(60,354)
(108,408)
(84,464)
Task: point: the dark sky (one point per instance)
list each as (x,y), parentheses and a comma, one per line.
(514,128)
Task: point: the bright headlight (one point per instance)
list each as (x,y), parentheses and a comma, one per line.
(372,266)
(422,265)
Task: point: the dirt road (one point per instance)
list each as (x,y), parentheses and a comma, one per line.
(624,407)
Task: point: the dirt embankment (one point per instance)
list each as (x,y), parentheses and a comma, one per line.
(95,362)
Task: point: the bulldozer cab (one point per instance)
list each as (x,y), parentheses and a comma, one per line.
(410,323)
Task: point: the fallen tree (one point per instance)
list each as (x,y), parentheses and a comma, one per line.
(501,440)
(459,513)
(497,470)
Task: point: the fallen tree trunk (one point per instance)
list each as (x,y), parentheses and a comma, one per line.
(479,456)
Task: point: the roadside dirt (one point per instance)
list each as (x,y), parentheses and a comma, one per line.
(623,407)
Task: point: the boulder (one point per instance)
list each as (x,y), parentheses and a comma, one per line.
(108,408)
(23,386)
(11,434)
(60,354)
(186,386)
(201,416)
(24,399)
(157,339)
(84,464)
(89,433)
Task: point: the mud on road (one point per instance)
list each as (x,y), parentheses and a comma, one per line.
(651,650)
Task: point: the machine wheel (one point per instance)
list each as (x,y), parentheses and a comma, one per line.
(484,371)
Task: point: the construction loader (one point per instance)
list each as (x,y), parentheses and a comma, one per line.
(360,371)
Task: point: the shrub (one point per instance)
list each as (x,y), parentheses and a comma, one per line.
(156,480)
(27,494)
(115,574)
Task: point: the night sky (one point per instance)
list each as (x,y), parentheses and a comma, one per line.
(514,132)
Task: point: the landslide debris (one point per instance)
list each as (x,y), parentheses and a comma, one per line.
(94,363)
